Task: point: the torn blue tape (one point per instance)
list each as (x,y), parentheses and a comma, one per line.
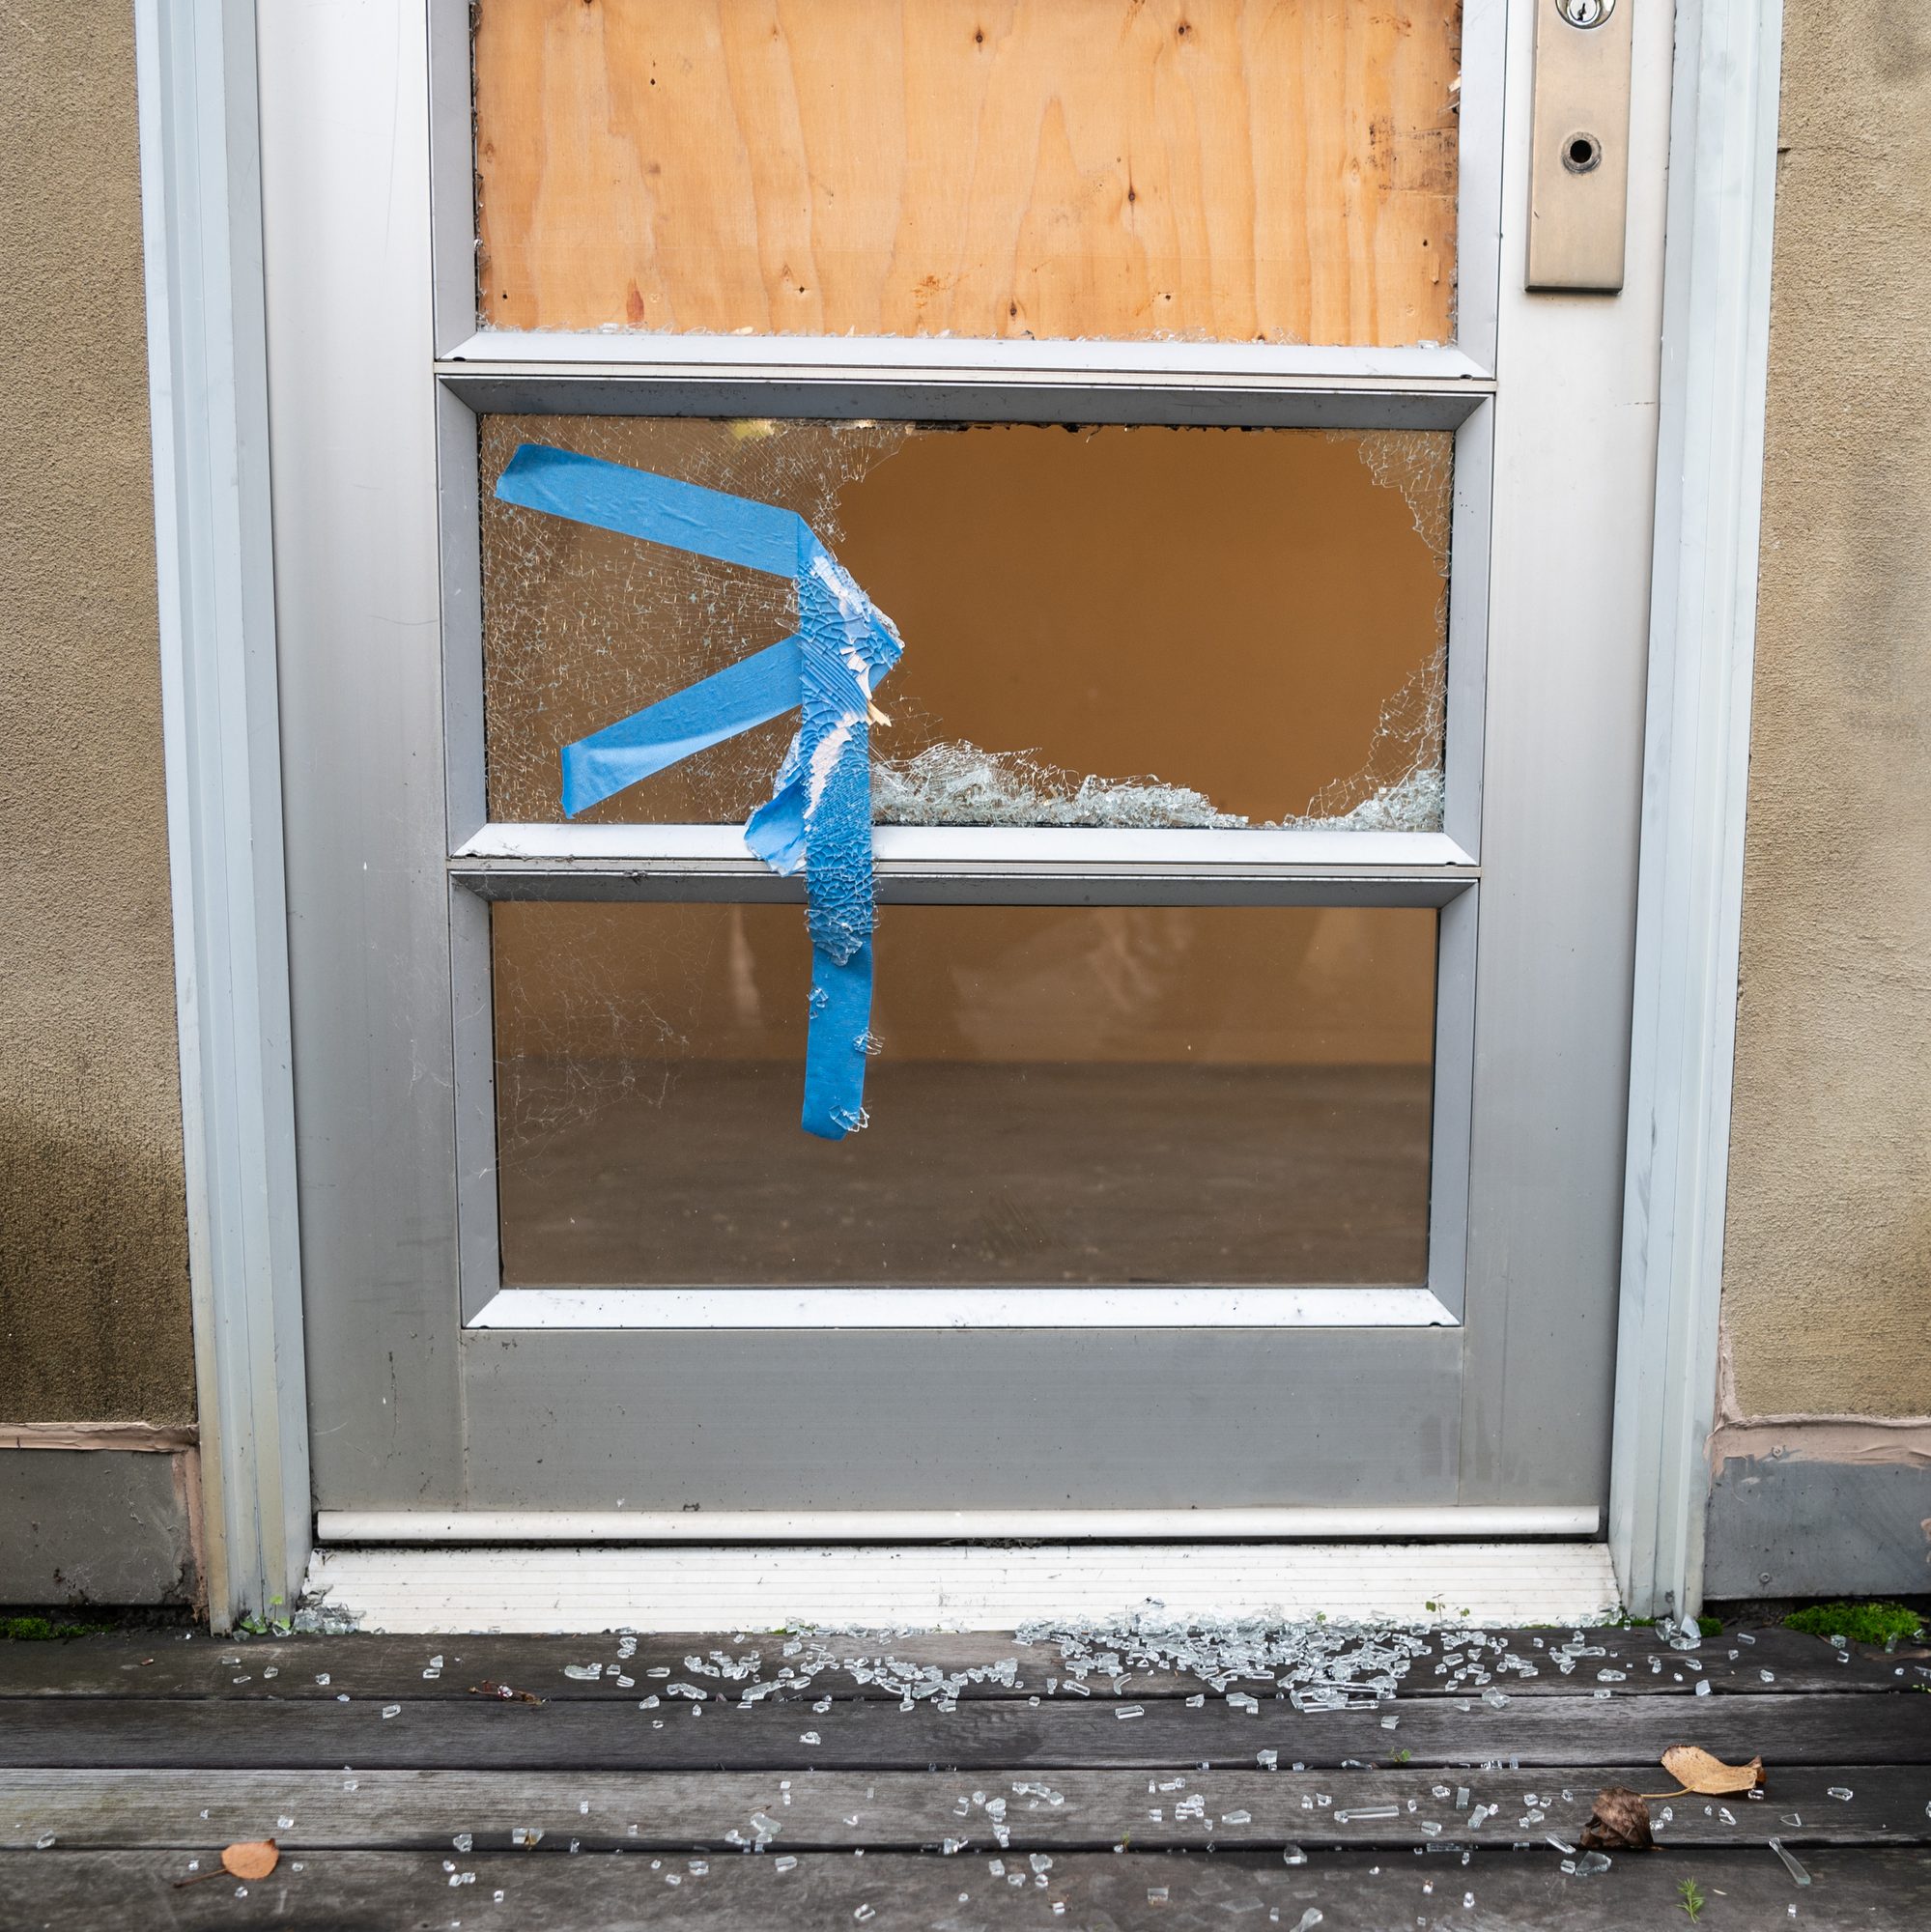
(818,817)
(658,509)
(752,691)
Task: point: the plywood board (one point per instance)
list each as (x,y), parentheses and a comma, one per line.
(1232,170)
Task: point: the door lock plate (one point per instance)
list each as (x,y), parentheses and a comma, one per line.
(1579,161)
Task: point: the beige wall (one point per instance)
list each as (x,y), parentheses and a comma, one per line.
(1827,1289)
(94,1309)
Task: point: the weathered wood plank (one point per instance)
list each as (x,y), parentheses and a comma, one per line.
(908,1811)
(1232,170)
(325,1892)
(169,1664)
(870,1735)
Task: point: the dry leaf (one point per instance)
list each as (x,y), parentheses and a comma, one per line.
(1619,1823)
(253,1858)
(1696,1769)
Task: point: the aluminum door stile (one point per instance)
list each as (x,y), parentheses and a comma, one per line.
(352,459)
(1575,491)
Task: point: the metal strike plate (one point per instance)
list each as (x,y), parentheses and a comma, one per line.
(1579,164)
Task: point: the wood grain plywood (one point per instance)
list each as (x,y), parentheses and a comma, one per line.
(1233,170)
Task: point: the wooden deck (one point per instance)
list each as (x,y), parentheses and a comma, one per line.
(952,1783)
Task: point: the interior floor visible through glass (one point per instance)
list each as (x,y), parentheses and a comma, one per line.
(1076,1096)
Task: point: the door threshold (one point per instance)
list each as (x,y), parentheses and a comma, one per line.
(953,1586)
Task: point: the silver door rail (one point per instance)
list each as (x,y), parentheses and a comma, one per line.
(1325,1523)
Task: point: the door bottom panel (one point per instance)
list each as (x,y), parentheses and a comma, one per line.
(687,1421)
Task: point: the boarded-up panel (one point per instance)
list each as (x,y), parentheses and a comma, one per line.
(1279,170)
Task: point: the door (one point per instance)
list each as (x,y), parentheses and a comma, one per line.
(1114,438)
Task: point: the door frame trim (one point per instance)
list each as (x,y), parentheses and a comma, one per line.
(208,405)
(1715,361)
(201,187)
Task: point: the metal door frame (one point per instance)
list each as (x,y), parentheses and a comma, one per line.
(200,109)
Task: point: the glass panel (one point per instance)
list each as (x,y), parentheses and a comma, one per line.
(1243,171)
(1065,1094)
(1110,626)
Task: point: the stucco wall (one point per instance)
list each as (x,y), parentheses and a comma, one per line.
(1827,1288)
(94,1309)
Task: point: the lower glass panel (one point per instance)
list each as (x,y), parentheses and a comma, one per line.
(1083,1095)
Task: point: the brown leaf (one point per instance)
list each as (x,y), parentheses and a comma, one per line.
(1619,1823)
(253,1858)
(1696,1769)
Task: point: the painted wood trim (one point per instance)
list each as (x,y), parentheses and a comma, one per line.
(1697,751)
(208,399)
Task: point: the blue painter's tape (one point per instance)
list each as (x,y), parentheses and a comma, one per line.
(835,1044)
(818,817)
(657,509)
(752,691)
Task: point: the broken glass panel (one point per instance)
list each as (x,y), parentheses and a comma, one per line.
(1060,1095)
(1103,626)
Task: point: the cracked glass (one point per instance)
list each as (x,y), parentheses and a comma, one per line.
(1103,626)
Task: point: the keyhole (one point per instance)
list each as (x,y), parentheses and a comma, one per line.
(1586,12)
(1580,153)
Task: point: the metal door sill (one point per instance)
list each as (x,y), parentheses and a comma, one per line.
(954,1586)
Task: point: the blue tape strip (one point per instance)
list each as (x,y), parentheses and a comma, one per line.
(752,691)
(818,817)
(836,1043)
(657,509)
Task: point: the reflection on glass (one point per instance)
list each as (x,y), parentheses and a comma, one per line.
(1065,1094)
(1106,626)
